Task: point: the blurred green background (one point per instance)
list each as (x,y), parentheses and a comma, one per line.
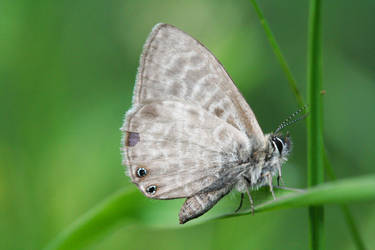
(67,70)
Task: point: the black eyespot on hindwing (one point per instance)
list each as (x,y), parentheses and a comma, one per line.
(151,189)
(141,172)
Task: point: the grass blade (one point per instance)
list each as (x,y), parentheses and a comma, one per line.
(315,150)
(123,208)
(279,55)
(336,192)
(349,219)
(97,221)
(292,83)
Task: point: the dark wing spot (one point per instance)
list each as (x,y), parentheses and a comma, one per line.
(223,135)
(141,172)
(131,139)
(149,112)
(193,112)
(232,121)
(151,189)
(219,112)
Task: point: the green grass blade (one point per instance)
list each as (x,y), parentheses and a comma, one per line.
(315,148)
(292,83)
(124,208)
(349,219)
(352,227)
(337,192)
(279,55)
(97,221)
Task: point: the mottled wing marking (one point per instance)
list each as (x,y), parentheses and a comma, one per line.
(198,204)
(183,148)
(131,138)
(174,64)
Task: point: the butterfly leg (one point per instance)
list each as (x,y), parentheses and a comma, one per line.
(239,207)
(269,178)
(251,201)
(248,185)
(279,178)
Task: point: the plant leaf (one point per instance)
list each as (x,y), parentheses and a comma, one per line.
(337,192)
(129,206)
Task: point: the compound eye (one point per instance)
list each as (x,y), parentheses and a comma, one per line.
(279,143)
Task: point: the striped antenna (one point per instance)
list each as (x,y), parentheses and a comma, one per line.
(289,121)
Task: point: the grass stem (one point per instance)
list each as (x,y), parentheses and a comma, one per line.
(292,84)
(279,55)
(354,232)
(315,150)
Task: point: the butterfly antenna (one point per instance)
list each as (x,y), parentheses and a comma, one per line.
(289,121)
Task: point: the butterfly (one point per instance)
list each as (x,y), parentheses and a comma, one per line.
(190,133)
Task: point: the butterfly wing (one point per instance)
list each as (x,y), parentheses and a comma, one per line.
(173,64)
(182,147)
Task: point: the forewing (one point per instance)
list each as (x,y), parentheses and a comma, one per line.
(175,64)
(183,148)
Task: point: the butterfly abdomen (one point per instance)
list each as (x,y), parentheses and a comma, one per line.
(198,204)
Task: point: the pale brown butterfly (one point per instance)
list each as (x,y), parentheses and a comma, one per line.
(190,133)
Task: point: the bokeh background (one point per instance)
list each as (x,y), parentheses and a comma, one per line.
(67,70)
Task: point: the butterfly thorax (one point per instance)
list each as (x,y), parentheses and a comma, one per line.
(264,161)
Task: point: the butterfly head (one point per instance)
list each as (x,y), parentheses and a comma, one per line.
(280,144)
